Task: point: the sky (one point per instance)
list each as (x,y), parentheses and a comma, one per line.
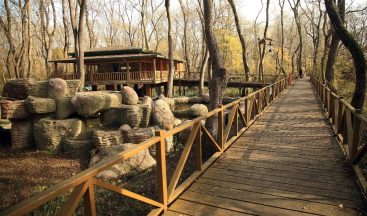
(250,8)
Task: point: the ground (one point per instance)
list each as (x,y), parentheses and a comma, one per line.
(30,172)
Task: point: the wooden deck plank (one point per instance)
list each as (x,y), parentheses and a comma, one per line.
(270,200)
(281,192)
(287,163)
(237,205)
(197,208)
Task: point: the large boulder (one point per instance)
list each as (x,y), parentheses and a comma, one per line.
(37,105)
(162,115)
(198,110)
(40,89)
(73,86)
(129,96)
(141,161)
(177,122)
(14,109)
(195,110)
(77,148)
(146,113)
(88,104)
(169,101)
(137,135)
(22,134)
(18,89)
(102,139)
(113,100)
(64,108)
(126,114)
(50,133)
(57,88)
(147,100)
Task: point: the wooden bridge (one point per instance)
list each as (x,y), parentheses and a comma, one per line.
(279,151)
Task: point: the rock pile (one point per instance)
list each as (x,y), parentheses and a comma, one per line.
(54,117)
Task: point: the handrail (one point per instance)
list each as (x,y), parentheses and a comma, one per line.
(83,183)
(347,123)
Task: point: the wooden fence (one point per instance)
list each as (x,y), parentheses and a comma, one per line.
(233,119)
(349,125)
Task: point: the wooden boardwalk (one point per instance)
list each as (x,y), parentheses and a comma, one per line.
(287,163)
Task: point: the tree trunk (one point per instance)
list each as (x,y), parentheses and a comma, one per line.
(330,70)
(30,42)
(242,40)
(203,66)
(187,59)
(218,83)
(327,34)
(261,65)
(170,52)
(281,4)
(353,47)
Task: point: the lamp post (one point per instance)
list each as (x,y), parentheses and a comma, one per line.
(263,42)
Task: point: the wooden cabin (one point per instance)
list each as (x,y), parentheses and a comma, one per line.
(113,67)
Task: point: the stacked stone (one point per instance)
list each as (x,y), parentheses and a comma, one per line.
(28,101)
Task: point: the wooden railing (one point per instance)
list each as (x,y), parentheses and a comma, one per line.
(132,76)
(233,119)
(233,77)
(349,125)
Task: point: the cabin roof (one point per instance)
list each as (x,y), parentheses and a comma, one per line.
(114,54)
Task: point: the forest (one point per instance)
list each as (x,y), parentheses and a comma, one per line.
(285,36)
(58,127)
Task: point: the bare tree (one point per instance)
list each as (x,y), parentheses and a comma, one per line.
(218,83)
(47,31)
(12,58)
(335,15)
(242,40)
(314,29)
(333,50)
(263,42)
(170,52)
(66,28)
(127,16)
(78,35)
(281,5)
(327,34)
(295,4)
(30,37)
(185,39)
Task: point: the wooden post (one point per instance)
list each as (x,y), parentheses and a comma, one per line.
(354,142)
(221,127)
(128,72)
(89,201)
(198,151)
(246,112)
(148,90)
(161,169)
(236,120)
(165,89)
(154,70)
(161,61)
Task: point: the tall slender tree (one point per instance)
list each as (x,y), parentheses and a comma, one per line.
(334,46)
(218,82)
(170,52)
(78,32)
(242,39)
